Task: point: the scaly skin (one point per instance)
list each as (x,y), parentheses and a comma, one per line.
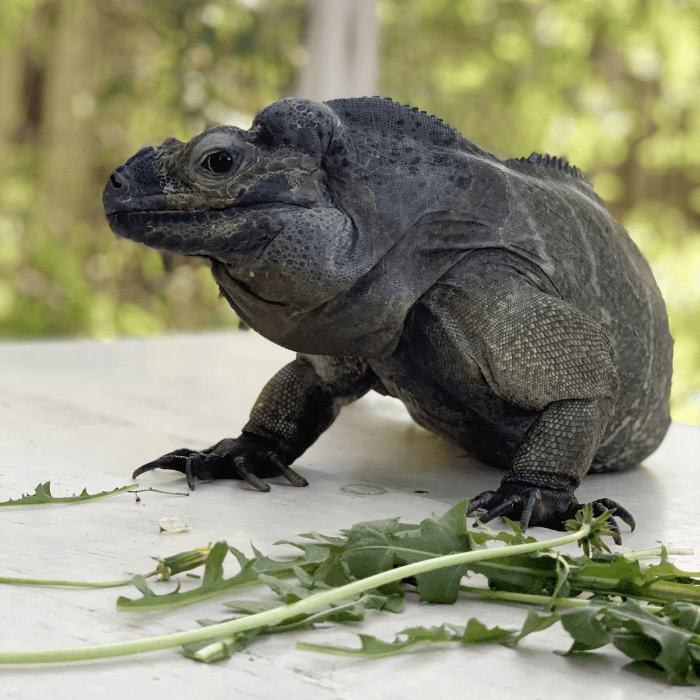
(499,300)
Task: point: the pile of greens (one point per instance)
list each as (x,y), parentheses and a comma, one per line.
(649,612)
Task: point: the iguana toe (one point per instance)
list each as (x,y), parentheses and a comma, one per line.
(603,504)
(175,460)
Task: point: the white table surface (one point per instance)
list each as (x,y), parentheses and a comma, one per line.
(85,414)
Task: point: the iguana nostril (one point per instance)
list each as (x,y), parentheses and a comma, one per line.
(116,182)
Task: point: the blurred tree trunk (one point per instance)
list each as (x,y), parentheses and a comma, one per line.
(69,105)
(341,50)
(22,62)
(10,101)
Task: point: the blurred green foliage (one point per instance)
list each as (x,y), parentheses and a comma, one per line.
(613,85)
(610,84)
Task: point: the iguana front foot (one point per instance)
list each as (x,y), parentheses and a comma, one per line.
(239,458)
(540,506)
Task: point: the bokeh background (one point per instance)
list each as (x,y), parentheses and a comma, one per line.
(612,85)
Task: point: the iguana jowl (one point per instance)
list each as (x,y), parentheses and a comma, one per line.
(499,300)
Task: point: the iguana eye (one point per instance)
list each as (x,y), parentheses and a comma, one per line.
(219,162)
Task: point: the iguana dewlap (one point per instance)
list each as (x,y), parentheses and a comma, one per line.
(499,300)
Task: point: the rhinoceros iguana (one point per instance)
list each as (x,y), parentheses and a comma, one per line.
(499,300)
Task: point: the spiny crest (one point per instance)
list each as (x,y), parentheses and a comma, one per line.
(554,168)
(413,109)
(554,162)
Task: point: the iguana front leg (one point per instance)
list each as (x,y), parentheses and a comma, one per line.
(294,408)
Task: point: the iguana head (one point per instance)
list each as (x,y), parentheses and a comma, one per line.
(182,197)
(323,223)
(257,209)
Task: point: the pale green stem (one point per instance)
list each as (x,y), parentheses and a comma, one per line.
(18,581)
(269,617)
(657,552)
(524,597)
(62,582)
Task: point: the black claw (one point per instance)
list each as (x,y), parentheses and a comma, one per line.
(256,482)
(615,529)
(294,478)
(506,508)
(288,473)
(191,470)
(620,512)
(598,508)
(137,472)
(241,465)
(601,506)
(533,499)
(483,500)
(176,461)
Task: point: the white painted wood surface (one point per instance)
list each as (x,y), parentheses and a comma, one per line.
(85,414)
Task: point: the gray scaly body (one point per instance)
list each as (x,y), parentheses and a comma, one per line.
(499,300)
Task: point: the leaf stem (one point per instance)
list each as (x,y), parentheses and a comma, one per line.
(524,597)
(62,582)
(657,552)
(275,615)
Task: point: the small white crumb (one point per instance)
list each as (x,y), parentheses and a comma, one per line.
(172,525)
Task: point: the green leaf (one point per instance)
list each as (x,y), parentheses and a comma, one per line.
(446,534)
(382,545)
(617,575)
(324,554)
(351,609)
(585,626)
(252,607)
(369,550)
(141,585)
(213,582)
(666,637)
(533,623)
(521,573)
(372,648)
(684,615)
(644,636)
(263,564)
(475,632)
(42,496)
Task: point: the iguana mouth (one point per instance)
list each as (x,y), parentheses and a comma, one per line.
(172,229)
(161,229)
